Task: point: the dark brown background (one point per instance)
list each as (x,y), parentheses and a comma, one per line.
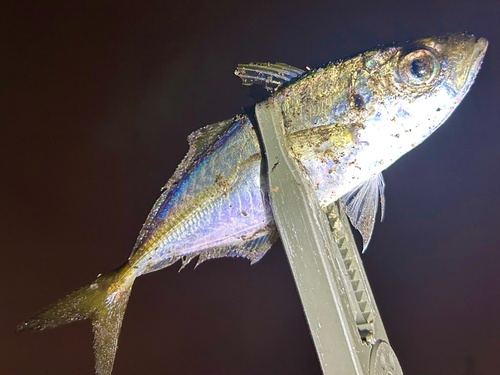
(96,104)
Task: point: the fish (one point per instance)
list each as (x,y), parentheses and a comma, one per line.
(344,123)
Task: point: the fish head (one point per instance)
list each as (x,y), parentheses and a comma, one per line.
(353,119)
(409,90)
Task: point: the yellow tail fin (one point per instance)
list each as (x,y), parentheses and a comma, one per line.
(104,302)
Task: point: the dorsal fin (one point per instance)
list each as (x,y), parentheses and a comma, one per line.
(361,204)
(269,75)
(200,141)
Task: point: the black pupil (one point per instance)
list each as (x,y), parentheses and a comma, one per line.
(419,68)
(358,101)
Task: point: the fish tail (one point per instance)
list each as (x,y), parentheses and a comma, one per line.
(104,302)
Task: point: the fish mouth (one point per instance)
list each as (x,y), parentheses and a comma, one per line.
(477,55)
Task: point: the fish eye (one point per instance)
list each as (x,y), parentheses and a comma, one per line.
(418,67)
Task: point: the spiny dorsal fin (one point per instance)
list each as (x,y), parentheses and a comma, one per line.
(269,75)
(361,204)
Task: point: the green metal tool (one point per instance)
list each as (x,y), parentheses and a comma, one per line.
(339,305)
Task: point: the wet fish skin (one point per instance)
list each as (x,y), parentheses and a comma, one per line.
(214,205)
(345,123)
(354,118)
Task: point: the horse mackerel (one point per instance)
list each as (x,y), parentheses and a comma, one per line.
(345,123)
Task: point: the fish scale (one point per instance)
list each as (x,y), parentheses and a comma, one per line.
(204,217)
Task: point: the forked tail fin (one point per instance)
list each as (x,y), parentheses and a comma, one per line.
(104,302)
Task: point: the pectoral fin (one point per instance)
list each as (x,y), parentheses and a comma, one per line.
(269,75)
(361,204)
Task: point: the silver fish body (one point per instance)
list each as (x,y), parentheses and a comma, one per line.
(345,123)
(215,204)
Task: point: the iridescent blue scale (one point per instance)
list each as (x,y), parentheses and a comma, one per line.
(216,208)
